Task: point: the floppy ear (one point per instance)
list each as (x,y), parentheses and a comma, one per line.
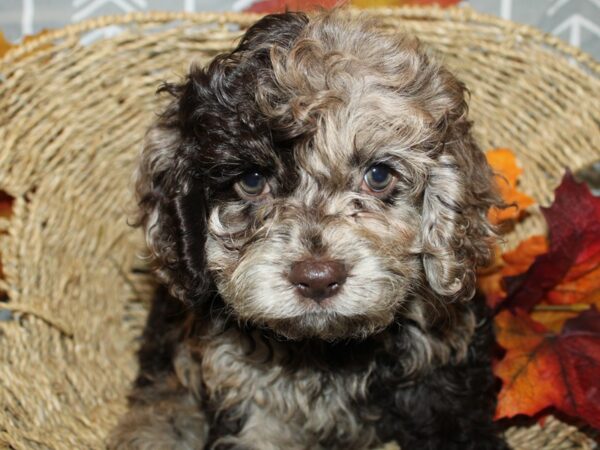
(186,146)
(172,204)
(456,234)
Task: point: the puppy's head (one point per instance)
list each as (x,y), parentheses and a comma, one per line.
(322,177)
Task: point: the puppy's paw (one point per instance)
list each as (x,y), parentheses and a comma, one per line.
(147,429)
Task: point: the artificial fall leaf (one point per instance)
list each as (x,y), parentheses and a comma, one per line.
(269,6)
(273,6)
(581,284)
(4,45)
(543,369)
(511,263)
(553,317)
(504,163)
(569,271)
(382,3)
(6,208)
(490,285)
(6,202)
(36,36)
(518,260)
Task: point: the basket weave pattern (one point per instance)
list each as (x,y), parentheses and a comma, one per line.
(72,118)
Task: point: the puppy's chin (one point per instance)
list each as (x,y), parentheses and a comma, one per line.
(327,326)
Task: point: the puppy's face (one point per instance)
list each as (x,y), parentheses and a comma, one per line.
(338,182)
(325,243)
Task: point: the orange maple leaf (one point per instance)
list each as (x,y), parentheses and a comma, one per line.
(264,6)
(569,272)
(4,45)
(581,284)
(518,260)
(579,290)
(511,263)
(381,3)
(504,164)
(271,6)
(543,369)
(554,318)
(572,218)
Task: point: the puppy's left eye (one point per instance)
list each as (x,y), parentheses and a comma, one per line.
(378,179)
(252,185)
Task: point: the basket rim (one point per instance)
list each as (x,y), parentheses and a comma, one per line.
(465,14)
(37,45)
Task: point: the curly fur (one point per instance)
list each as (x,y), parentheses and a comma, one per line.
(233,358)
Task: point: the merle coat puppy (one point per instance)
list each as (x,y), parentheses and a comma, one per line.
(316,209)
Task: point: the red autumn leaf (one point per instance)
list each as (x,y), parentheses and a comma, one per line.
(568,272)
(542,369)
(6,207)
(504,163)
(6,202)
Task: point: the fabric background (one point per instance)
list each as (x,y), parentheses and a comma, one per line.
(575,21)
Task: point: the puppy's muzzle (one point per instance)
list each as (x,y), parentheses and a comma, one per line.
(317,279)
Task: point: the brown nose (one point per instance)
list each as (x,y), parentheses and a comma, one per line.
(318,279)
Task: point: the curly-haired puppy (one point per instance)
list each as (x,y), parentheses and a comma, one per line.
(316,208)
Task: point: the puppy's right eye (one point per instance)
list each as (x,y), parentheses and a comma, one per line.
(253,184)
(378,180)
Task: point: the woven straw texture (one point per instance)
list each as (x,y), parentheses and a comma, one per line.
(71,120)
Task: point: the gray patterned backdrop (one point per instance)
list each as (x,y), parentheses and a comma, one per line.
(575,21)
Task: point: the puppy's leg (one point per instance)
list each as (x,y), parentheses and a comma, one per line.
(165,416)
(451,408)
(165,410)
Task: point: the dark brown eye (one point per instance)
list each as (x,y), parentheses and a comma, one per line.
(378,178)
(253,184)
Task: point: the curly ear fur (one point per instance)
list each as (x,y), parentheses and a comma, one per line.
(163,190)
(456,233)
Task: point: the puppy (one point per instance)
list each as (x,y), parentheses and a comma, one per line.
(316,208)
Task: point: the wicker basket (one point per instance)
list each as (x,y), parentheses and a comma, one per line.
(71,120)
